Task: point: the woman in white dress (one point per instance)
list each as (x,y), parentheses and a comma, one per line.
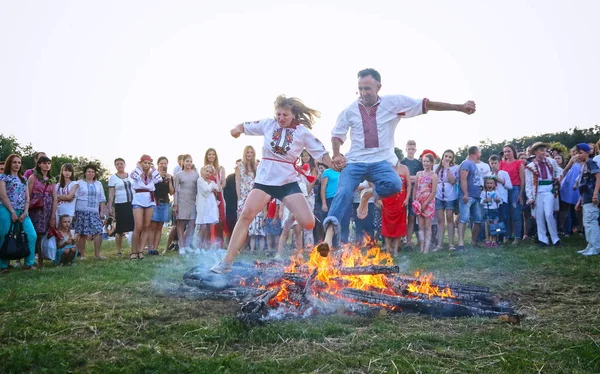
(207,211)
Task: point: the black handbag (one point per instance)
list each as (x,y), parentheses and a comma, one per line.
(16,245)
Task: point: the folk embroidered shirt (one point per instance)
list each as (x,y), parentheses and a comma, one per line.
(547,171)
(143,187)
(281,149)
(89,196)
(372,128)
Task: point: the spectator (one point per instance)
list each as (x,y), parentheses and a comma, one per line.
(446,198)
(163,189)
(66,248)
(569,194)
(503,188)
(207,212)
(120,192)
(329,187)
(516,172)
(36,157)
(43,201)
(245,173)
(540,176)
(230,197)
(179,165)
(469,195)
(423,200)
(184,202)
(307,159)
(491,201)
(393,225)
(211,158)
(319,231)
(273,225)
(589,187)
(91,202)
(66,190)
(14,196)
(414,166)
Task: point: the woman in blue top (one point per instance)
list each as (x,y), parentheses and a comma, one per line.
(569,193)
(14,196)
(329,187)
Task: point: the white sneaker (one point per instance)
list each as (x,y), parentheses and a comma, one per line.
(585,249)
(182,251)
(221,267)
(591,252)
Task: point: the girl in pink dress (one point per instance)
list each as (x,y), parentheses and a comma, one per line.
(423,200)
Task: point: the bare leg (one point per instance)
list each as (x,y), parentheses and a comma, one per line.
(441,229)
(421,234)
(450,222)
(255,202)
(138,219)
(38,249)
(363,207)
(396,245)
(252,244)
(298,233)
(146,221)
(428,231)
(97,244)
(172,234)
(475,232)
(81,239)
(461,233)
(388,244)
(327,243)
(119,242)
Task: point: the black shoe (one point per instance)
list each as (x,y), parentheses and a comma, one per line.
(558,244)
(542,244)
(171,247)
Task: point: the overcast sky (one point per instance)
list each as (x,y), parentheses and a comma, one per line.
(120,78)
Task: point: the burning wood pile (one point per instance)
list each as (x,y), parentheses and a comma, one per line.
(346,281)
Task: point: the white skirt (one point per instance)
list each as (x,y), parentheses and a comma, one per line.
(211,212)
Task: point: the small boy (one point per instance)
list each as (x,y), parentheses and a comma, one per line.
(503,185)
(588,189)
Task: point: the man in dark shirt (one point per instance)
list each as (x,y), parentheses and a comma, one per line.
(230,196)
(414,166)
(589,186)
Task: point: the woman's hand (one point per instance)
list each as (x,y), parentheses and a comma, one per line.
(14,217)
(22,217)
(325,208)
(405,203)
(52,222)
(175,209)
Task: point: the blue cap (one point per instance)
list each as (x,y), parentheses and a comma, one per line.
(583,147)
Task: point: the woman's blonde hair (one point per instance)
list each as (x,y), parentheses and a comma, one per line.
(249,166)
(303,114)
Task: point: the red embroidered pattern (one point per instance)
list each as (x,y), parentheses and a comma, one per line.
(369,121)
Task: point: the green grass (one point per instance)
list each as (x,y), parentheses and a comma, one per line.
(115,316)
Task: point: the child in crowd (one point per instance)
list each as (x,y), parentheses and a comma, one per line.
(423,200)
(589,185)
(207,212)
(272,224)
(491,201)
(503,185)
(66,250)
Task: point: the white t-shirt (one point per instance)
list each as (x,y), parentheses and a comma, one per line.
(66,207)
(502,190)
(372,129)
(285,146)
(123,188)
(447,191)
(484,169)
(493,204)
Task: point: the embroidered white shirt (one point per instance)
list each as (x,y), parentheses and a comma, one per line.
(145,185)
(372,129)
(282,144)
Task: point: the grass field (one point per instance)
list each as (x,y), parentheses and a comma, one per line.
(114,316)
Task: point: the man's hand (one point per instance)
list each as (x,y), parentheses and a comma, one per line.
(236,132)
(339,162)
(595,200)
(469,107)
(465,199)
(324,208)
(578,206)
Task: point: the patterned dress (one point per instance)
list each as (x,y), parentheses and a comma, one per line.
(246,184)
(424,188)
(41,216)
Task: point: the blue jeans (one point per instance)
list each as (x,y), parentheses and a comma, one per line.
(471,210)
(515,214)
(345,225)
(5,222)
(381,174)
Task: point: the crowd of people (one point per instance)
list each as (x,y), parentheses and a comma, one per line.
(298,192)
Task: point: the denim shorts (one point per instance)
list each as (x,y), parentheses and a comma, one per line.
(445,205)
(491,214)
(161,213)
(279,192)
(471,210)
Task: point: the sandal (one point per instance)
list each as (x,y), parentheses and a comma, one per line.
(141,255)
(452,248)
(118,254)
(133,256)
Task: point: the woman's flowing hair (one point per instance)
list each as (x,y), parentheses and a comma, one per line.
(249,166)
(67,167)
(8,167)
(303,114)
(439,168)
(311,161)
(216,164)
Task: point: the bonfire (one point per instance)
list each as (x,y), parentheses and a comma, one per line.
(348,281)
